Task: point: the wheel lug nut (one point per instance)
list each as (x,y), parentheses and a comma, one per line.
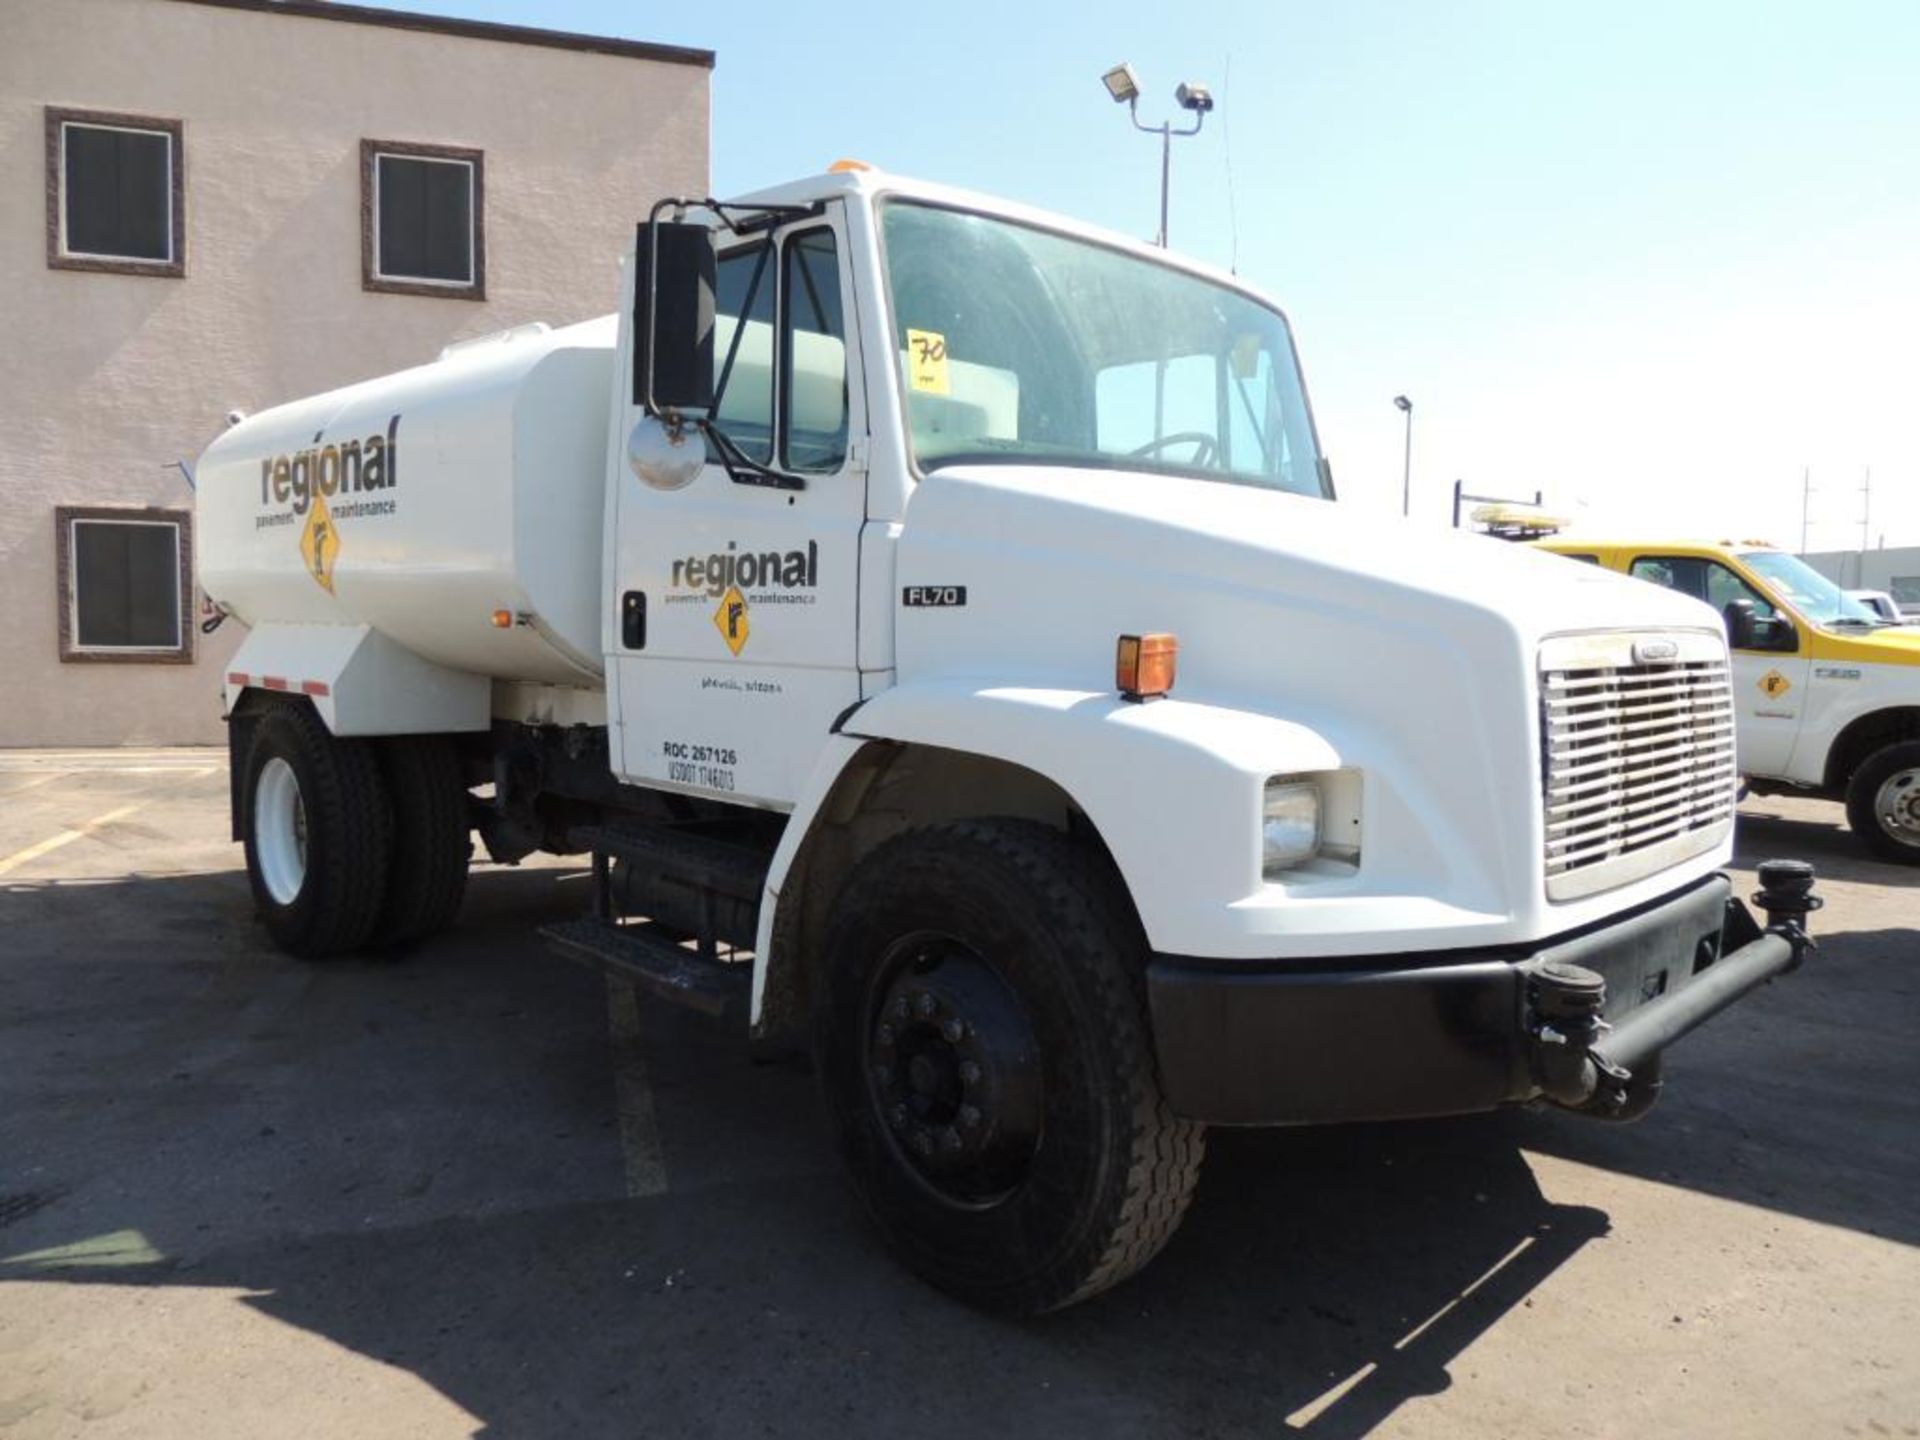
(884,1034)
(949,1139)
(969,1073)
(922,1142)
(970,1117)
(924,1005)
(898,1010)
(897,1117)
(955,1031)
(881,1076)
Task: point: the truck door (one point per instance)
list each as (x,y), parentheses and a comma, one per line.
(1769,685)
(733,643)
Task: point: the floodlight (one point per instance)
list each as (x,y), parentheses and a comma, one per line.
(1121,84)
(1196,98)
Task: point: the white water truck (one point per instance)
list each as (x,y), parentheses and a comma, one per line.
(933,618)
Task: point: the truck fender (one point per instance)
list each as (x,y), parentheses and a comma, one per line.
(359,681)
(1173,787)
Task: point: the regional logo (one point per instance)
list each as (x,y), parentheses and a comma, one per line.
(320,544)
(731,619)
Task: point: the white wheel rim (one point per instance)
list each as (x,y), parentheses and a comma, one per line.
(280,831)
(1897,803)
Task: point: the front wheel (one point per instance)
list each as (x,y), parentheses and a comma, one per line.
(1883,802)
(985,1055)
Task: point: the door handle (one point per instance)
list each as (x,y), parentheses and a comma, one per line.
(633,620)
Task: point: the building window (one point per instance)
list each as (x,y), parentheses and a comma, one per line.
(125,584)
(115,193)
(422,220)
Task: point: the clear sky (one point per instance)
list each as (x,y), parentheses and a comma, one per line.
(1653,258)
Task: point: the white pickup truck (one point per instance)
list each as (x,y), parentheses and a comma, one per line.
(933,618)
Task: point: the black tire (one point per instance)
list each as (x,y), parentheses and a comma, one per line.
(432,838)
(1883,802)
(348,835)
(1077,1174)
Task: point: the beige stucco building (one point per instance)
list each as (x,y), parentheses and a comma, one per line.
(211,205)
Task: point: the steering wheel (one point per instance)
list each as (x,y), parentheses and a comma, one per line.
(1204,446)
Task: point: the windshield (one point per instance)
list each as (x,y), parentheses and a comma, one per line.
(1017,344)
(1812,594)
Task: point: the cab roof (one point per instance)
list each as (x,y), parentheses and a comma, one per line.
(1665,544)
(872,183)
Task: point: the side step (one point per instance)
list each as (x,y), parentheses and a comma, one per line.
(698,860)
(649,959)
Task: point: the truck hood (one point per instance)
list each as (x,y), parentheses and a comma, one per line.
(1125,536)
(1412,651)
(1899,646)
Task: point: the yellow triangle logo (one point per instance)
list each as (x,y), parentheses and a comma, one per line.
(320,544)
(731,619)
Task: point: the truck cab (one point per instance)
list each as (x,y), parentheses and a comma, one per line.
(934,621)
(1827,690)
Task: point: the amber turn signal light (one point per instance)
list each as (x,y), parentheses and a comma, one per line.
(503,619)
(1144,664)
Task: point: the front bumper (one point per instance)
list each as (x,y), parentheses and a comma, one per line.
(1457,1032)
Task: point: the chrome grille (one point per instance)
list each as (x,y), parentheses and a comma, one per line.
(1637,757)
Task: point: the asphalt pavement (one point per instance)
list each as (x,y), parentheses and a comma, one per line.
(481,1191)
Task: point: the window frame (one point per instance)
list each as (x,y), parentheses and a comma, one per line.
(58,119)
(783,348)
(773,277)
(1787,621)
(371,277)
(777,245)
(66,519)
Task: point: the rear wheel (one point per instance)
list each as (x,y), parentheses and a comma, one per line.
(986,1060)
(432,839)
(1883,802)
(319,834)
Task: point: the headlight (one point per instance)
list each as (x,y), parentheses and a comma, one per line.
(1289,824)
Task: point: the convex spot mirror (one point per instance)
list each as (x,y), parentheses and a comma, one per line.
(673,318)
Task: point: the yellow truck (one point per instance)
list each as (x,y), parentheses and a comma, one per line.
(1827,694)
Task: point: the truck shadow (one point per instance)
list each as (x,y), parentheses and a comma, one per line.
(1804,1098)
(1321,1283)
(422,1163)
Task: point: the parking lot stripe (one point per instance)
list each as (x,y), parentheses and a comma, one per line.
(66,837)
(37,782)
(87,827)
(646,1166)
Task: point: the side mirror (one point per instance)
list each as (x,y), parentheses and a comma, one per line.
(673,318)
(1776,632)
(1743,626)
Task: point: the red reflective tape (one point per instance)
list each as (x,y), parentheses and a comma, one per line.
(314,687)
(234,677)
(274,682)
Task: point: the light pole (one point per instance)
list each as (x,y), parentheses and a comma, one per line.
(1405,406)
(1197,100)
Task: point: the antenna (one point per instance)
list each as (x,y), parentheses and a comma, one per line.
(1866,506)
(1226,137)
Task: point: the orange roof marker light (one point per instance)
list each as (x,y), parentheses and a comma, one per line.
(847,167)
(1144,665)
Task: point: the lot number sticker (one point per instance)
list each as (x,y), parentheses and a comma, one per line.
(927,361)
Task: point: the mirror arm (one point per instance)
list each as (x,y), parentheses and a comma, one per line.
(745,471)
